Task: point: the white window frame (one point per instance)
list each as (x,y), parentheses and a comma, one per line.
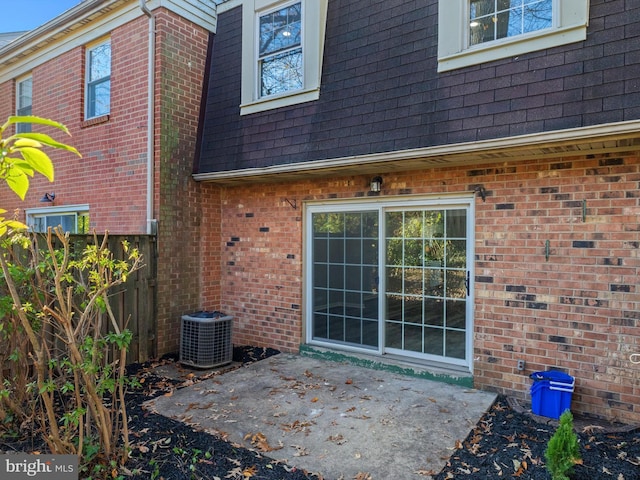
(314,15)
(20,108)
(88,114)
(44,212)
(570,21)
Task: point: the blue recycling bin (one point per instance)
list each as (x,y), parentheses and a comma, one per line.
(551,393)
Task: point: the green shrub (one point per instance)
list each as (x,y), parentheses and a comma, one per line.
(563,450)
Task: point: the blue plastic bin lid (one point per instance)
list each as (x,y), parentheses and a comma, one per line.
(552,376)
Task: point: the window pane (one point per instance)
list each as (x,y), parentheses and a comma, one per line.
(537,15)
(279,51)
(494,19)
(70,222)
(83,223)
(343,286)
(99,98)
(99,80)
(25,89)
(281,73)
(280,30)
(100,62)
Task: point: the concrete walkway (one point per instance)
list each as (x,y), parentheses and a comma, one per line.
(331,418)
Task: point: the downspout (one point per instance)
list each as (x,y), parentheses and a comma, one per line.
(151,73)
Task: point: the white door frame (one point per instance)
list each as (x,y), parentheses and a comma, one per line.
(380,204)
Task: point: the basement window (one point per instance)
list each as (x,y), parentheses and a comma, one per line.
(72,218)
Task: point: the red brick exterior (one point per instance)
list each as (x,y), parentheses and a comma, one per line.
(577,311)
(182,51)
(112,175)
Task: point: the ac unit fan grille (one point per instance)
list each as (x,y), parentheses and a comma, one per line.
(206,342)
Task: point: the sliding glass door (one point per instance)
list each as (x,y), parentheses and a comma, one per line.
(391,278)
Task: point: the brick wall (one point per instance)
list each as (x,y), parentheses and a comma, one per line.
(576,311)
(180,62)
(111,176)
(211,247)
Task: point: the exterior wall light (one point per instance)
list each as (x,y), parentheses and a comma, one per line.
(376,184)
(48,197)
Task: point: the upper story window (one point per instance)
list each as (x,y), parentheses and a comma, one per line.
(491,20)
(280,51)
(98,80)
(282,46)
(24,89)
(72,219)
(472,32)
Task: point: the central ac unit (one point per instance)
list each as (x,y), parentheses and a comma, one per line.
(205,339)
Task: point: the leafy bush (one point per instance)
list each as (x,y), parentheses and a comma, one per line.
(63,367)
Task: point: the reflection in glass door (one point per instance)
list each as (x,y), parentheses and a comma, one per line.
(345,278)
(426,282)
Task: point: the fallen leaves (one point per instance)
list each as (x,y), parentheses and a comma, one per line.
(297,426)
(426,473)
(337,439)
(300,451)
(259,441)
(362,476)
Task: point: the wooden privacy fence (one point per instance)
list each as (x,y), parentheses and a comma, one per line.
(134,302)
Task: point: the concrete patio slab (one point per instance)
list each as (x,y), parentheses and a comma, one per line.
(333,419)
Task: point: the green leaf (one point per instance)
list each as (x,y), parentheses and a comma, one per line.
(27,142)
(45,140)
(19,183)
(33,119)
(22,165)
(39,161)
(13,224)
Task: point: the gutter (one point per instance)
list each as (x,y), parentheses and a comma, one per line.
(151,70)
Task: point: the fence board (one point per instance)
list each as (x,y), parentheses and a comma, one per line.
(134,302)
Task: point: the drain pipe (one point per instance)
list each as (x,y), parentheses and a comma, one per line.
(151,71)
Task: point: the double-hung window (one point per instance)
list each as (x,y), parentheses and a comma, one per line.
(282,47)
(472,32)
(98,80)
(24,89)
(280,50)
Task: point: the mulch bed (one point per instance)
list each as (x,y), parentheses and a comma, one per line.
(506,443)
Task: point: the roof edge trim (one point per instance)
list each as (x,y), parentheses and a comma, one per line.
(590,134)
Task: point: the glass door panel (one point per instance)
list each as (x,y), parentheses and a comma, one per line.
(345,278)
(425,282)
